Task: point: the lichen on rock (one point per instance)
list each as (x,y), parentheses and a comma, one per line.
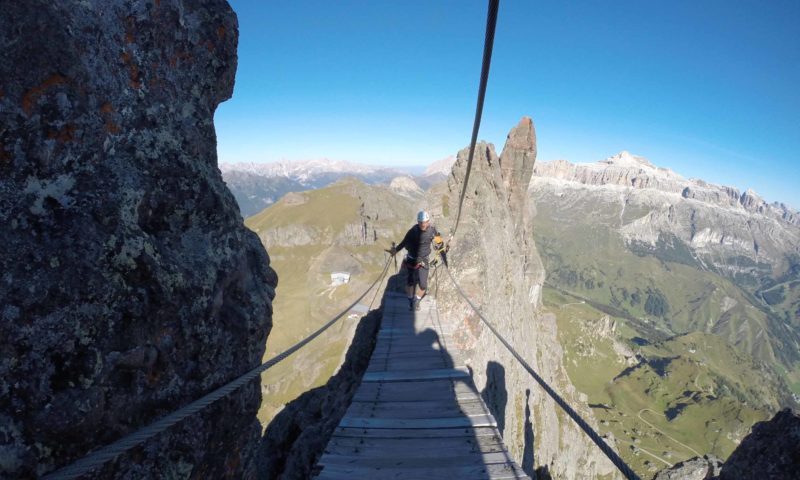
(129,285)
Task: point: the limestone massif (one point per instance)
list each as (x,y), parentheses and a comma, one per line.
(128,284)
(628,170)
(718,222)
(651,211)
(497,264)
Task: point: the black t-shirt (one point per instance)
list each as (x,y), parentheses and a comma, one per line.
(418,243)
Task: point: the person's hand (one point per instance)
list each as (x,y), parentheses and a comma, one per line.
(392,251)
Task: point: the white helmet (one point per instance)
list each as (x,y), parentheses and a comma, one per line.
(423,216)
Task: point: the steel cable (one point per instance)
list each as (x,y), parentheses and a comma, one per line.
(105,454)
(488,44)
(606,449)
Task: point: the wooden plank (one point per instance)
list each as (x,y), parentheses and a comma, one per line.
(416,433)
(446,407)
(421,338)
(400,423)
(382,356)
(392,460)
(474,442)
(406,375)
(427,363)
(408,391)
(383,352)
(414,416)
(462,472)
(417,336)
(416,449)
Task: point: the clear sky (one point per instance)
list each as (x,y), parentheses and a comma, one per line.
(710,89)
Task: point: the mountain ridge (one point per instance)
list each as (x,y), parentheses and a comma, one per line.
(628,170)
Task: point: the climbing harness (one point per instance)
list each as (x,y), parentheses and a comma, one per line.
(439,252)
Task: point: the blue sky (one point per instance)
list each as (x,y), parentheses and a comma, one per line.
(707,88)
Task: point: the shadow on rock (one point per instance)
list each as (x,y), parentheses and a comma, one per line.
(527,451)
(495,394)
(297,436)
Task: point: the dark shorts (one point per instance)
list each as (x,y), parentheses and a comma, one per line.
(417,275)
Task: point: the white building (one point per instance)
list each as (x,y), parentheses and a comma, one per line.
(339,278)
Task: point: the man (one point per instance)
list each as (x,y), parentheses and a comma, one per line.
(417,243)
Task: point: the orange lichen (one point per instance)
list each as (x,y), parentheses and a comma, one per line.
(221,32)
(130,29)
(66,134)
(106,109)
(133,70)
(111,127)
(29,99)
(181,55)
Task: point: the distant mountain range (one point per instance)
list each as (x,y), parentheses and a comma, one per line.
(677,300)
(627,170)
(674,255)
(258,185)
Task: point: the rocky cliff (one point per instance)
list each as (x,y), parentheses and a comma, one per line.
(129,286)
(771,451)
(497,264)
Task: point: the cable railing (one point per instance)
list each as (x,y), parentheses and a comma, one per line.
(109,452)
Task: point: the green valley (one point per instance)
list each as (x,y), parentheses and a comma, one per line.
(310,235)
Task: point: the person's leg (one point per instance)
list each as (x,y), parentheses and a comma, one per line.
(411,282)
(423,284)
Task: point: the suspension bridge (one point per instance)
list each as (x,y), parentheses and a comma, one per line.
(417,413)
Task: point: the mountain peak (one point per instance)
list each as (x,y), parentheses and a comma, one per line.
(442,166)
(627,159)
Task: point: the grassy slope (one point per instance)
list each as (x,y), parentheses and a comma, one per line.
(588,258)
(718,392)
(304,298)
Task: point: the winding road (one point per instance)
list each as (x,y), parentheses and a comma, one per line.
(664,433)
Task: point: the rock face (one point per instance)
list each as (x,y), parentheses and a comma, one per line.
(771,451)
(693,469)
(406,186)
(128,284)
(498,266)
(516,167)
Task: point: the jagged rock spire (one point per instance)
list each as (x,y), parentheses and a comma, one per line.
(516,165)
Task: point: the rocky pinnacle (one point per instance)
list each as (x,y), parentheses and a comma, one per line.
(516,166)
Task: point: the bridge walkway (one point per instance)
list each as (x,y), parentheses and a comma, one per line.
(417,413)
